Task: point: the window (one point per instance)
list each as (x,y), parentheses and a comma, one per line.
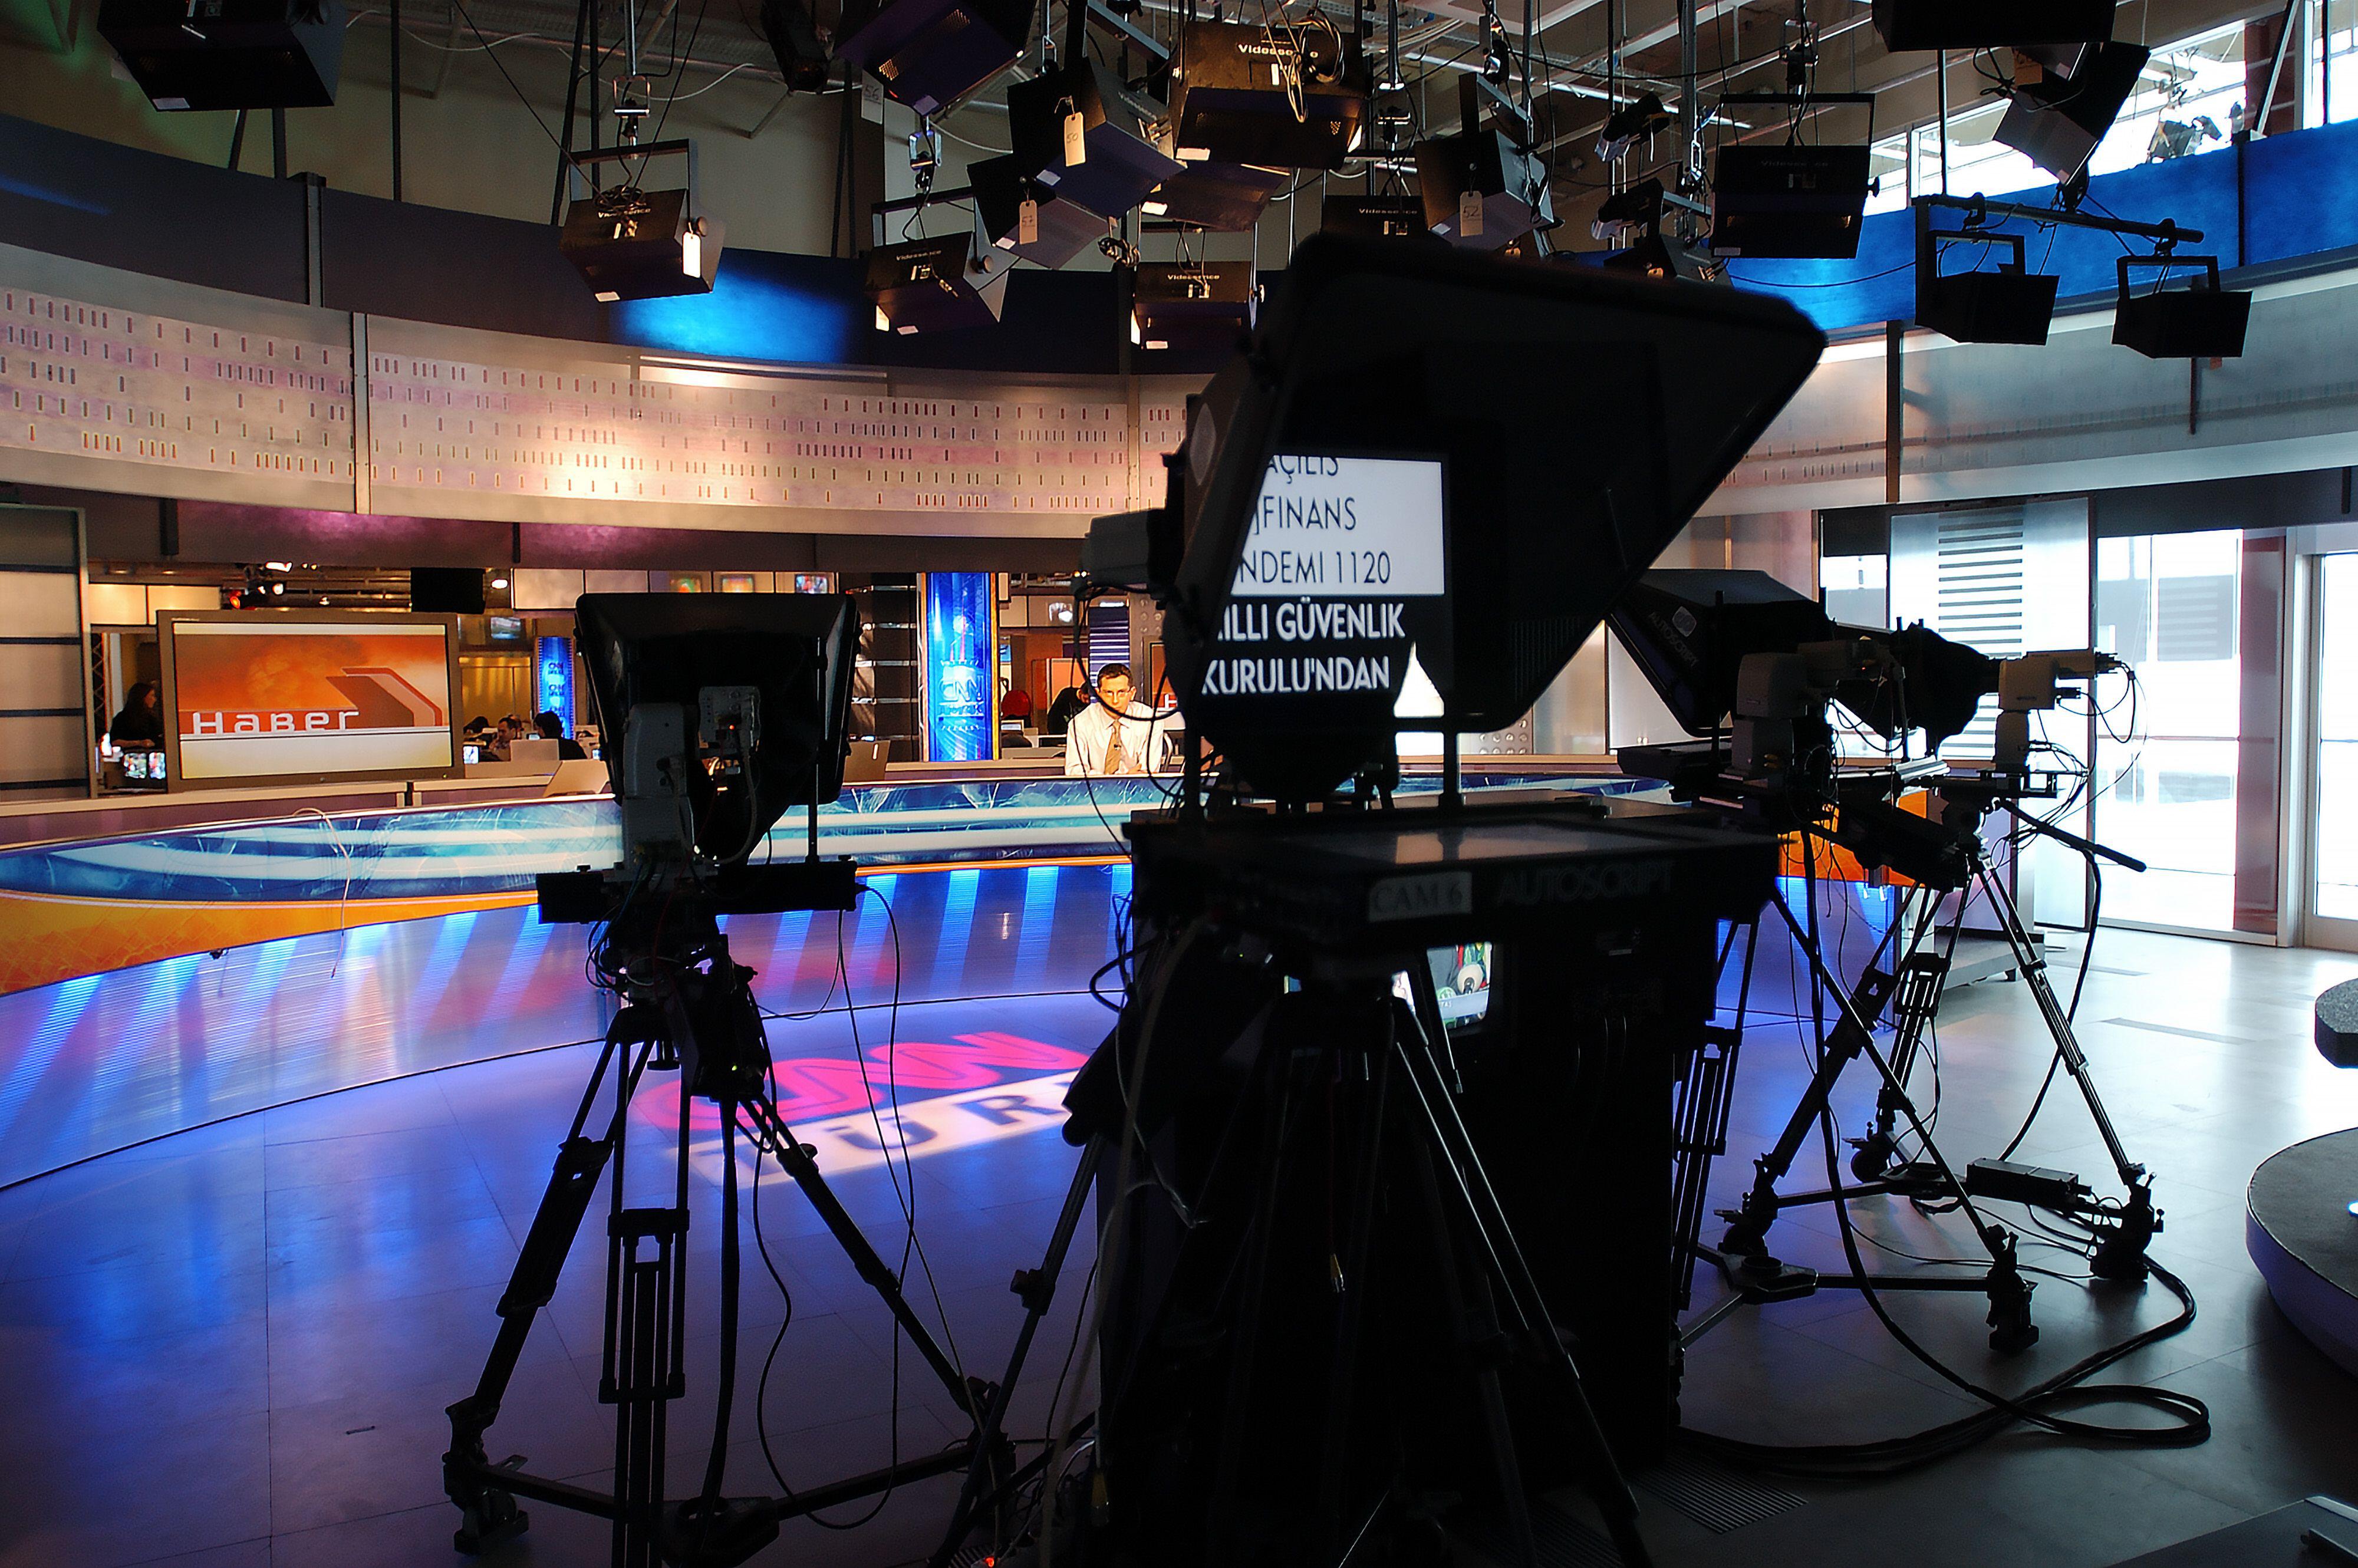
(2166,604)
(2188,101)
(2332,94)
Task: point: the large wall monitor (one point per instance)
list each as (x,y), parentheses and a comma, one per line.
(308,697)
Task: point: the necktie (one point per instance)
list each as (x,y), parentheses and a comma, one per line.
(1113,750)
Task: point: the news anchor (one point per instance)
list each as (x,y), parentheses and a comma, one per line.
(1098,742)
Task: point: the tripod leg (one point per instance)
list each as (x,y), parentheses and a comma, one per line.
(1607,1486)
(635,1379)
(1748,1225)
(1706,1091)
(2124,1234)
(1224,1542)
(1914,999)
(797,1159)
(488,1514)
(1352,1284)
(646,1352)
(1993,1236)
(1036,1287)
(1473,1315)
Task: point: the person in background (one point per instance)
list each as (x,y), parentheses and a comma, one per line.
(140,725)
(1016,704)
(1116,735)
(496,741)
(552,727)
(1069,701)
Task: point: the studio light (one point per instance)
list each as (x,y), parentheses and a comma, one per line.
(1277,96)
(2064,101)
(1375,217)
(1225,197)
(1666,258)
(1627,214)
(1991,24)
(629,243)
(933,54)
(1026,219)
(1633,123)
(936,285)
(2008,305)
(1087,135)
(794,38)
(229,54)
(1788,200)
(2199,321)
(1481,188)
(1191,305)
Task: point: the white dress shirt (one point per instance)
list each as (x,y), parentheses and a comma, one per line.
(1089,738)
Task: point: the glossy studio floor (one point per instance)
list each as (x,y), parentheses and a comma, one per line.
(232,1346)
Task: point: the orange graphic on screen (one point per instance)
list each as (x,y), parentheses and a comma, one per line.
(309,683)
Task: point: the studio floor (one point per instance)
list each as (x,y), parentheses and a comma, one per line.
(232,1346)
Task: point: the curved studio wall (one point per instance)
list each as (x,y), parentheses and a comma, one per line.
(770,407)
(125,367)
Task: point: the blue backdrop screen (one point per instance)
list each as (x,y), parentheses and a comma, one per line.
(958,666)
(553,676)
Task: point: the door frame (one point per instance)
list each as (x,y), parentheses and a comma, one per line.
(2307,753)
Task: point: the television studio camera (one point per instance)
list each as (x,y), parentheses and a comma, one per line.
(729,710)
(1753,669)
(1355,1262)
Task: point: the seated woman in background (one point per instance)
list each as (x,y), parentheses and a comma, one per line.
(140,725)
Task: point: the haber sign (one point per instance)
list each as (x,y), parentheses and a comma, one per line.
(1326,527)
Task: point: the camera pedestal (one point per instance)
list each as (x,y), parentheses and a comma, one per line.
(689,1009)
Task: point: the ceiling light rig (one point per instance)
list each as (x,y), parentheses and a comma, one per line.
(2065,98)
(1485,186)
(2191,317)
(1639,120)
(2008,303)
(629,243)
(932,55)
(2199,320)
(1793,199)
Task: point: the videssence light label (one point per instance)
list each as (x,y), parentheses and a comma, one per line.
(1343,528)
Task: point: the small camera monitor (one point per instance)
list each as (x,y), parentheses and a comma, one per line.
(729,709)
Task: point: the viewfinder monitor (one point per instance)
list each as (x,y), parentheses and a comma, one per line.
(277,696)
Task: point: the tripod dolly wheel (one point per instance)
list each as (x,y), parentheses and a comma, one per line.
(1873,1157)
(486,1520)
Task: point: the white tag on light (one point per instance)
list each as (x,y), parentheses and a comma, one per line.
(1469,214)
(872,102)
(1077,143)
(1027,222)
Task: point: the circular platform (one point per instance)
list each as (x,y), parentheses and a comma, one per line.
(2300,1230)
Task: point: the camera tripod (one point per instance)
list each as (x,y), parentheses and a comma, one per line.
(1947,859)
(1274,1461)
(689,1008)
(2124,1231)
(1742,1256)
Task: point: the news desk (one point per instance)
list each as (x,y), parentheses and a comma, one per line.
(169,961)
